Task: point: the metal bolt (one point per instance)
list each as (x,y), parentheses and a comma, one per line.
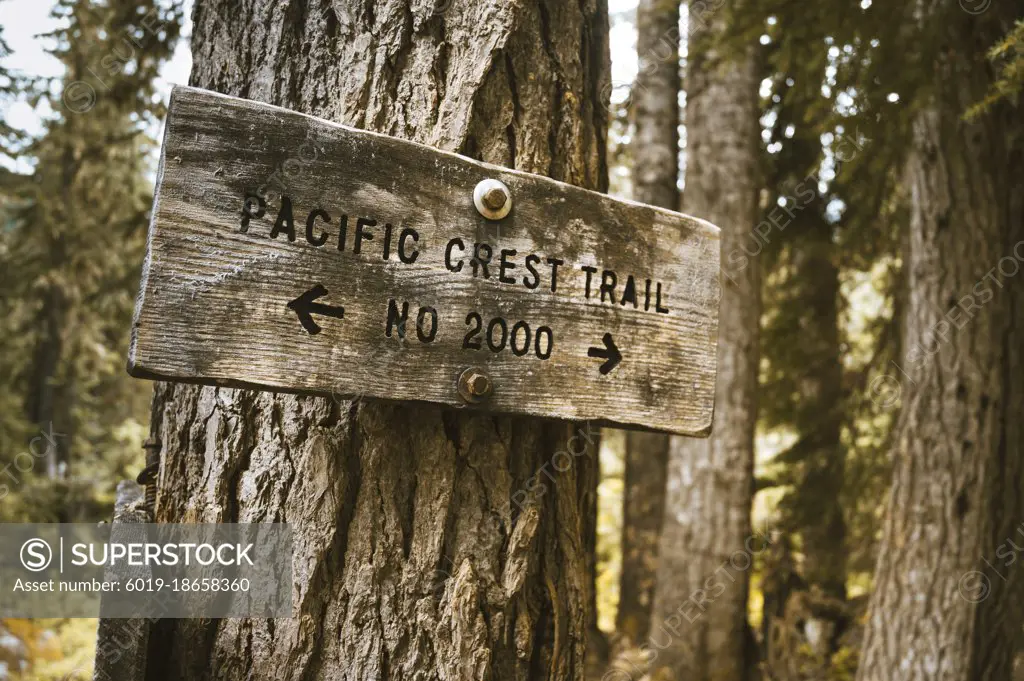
(149,474)
(495,198)
(480,385)
(492,199)
(475,385)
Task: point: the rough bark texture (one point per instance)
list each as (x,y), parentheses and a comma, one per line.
(947,599)
(699,629)
(655,99)
(411,559)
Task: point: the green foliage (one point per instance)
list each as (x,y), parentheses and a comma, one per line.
(844,664)
(71,248)
(843,83)
(1008,57)
(834,177)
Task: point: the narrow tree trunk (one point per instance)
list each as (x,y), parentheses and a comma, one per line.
(822,469)
(411,560)
(804,612)
(947,599)
(655,100)
(597,641)
(643,502)
(43,403)
(700,629)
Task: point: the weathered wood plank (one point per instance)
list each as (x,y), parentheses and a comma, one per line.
(234,293)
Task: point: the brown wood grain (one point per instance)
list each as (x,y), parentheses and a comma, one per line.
(213,301)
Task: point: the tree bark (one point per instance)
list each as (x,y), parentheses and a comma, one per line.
(655,99)
(947,603)
(411,560)
(700,629)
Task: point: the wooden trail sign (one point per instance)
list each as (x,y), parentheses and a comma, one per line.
(292,254)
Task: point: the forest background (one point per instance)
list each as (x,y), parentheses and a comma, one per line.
(79,122)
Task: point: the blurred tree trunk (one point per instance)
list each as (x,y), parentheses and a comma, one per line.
(820,411)
(806,380)
(947,601)
(383,499)
(655,99)
(700,627)
(598,649)
(51,397)
(804,613)
(643,502)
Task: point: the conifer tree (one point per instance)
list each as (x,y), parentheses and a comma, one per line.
(71,257)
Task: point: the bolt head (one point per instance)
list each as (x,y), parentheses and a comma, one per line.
(474,385)
(492,199)
(480,385)
(495,198)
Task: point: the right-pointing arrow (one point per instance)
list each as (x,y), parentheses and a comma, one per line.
(610,353)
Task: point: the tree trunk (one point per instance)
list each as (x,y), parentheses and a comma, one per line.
(809,606)
(819,412)
(655,100)
(44,402)
(700,630)
(805,614)
(411,560)
(947,599)
(597,641)
(643,502)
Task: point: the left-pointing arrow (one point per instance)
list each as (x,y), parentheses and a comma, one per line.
(305,307)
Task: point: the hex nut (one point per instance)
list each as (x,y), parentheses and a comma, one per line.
(475,385)
(492,199)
